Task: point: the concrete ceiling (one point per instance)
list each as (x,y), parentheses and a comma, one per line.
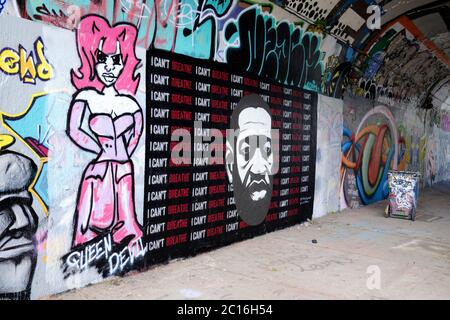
(395,8)
(346,21)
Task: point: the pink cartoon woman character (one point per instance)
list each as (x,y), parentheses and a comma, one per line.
(105,82)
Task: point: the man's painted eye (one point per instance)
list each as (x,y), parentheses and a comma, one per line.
(101,57)
(117,59)
(245,151)
(268,148)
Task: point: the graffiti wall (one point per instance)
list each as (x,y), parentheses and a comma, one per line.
(240,157)
(401,65)
(328,157)
(377,138)
(93,132)
(342,25)
(283,52)
(216,30)
(132,132)
(183,26)
(25,70)
(54,148)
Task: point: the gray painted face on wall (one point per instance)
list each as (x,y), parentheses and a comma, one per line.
(18,224)
(252,159)
(108,66)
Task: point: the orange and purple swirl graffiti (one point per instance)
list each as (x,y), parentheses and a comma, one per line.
(370,153)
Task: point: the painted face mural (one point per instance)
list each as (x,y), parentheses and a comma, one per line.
(250,159)
(108,66)
(18,224)
(105,202)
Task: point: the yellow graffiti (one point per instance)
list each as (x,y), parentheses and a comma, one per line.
(9,61)
(44,69)
(413,149)
(16,135)
(5,141)
(27,66)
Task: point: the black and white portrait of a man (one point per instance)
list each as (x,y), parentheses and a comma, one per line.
(250,158)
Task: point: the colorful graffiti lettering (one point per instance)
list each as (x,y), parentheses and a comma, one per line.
(370,152)
(66,16)
(184,26)
(257,43)
(27,66)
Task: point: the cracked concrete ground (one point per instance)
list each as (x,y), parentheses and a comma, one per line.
(413,260)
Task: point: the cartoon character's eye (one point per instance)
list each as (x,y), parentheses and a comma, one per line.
(101,57)
(117,59)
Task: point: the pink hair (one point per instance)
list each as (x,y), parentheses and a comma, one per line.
(91,31)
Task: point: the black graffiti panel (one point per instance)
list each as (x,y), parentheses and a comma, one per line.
(274,50)
(200,115)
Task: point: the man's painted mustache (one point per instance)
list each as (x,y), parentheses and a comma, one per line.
(253,178)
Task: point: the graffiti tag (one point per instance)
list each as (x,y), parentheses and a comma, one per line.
(259,44)
(27,66)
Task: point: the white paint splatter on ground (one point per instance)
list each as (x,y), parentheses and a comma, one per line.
(190,293)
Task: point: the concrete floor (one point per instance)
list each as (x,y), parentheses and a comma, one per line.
(413,260)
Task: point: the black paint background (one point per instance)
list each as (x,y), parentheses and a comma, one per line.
(191,248)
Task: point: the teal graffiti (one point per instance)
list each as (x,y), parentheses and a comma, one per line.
(187,27)
(257,43)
